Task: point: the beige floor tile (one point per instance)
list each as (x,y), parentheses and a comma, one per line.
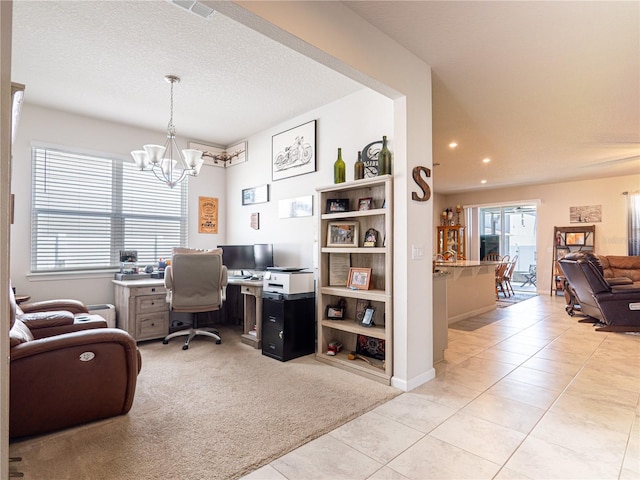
(517,347)
(504,356)
(546,461)
(504,411)
(563,356)
(525,393)
(581,435)
(632,455)
(553,366)
(486,439)
(529,340)
(600,392)
(390,437)
(484,365)
(265,473)
(326,458)
(610,380)
(471,378)
(446,393)
(431,458)
(550,381)
(606,414)
(508,474)
(386,473)
(415,411)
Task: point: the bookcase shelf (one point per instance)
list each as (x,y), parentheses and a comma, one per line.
(567,240)
(378,258)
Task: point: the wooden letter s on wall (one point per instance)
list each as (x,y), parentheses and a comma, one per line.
(422,183)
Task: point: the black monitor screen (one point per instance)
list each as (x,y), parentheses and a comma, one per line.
(238,257)
(263,254)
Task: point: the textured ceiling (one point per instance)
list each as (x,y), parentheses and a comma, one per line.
(549,91)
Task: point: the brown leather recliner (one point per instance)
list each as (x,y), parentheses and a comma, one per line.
(613,301)
(66,371)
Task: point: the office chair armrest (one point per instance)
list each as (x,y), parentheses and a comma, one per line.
(224,276)
(168,278)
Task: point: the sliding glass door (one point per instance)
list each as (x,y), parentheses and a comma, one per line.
(510,230)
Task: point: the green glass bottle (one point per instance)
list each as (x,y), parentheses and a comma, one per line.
(339,169)
(384,158)
(358,168)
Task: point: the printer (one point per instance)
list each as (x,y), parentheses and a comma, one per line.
(288,283)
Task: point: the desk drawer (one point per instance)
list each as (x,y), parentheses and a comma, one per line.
(152,326)
(151,303)
(255,291)
(159,290)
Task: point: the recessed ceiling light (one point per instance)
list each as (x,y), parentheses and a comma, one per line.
(486,160)
(483,181)
(453,145)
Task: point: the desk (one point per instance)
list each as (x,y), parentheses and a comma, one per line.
(252,299)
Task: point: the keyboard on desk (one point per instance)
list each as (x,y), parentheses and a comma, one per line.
(239,277)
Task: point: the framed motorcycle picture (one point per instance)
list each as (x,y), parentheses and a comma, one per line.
(294,151)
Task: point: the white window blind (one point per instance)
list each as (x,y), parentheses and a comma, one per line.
(85,209)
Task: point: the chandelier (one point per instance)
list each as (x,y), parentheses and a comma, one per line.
(167,167)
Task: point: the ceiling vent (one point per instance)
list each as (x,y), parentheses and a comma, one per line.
(194,7)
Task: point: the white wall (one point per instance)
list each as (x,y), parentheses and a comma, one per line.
(553,210)
(349,123)
(73,131)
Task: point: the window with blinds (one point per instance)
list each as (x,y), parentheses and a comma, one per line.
(85,209)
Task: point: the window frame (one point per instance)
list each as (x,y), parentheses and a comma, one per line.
(135,208)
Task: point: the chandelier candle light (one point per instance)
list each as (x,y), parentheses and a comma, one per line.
(160,159)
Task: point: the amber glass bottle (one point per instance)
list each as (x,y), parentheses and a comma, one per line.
(339,169)
(384,158)
(358,168)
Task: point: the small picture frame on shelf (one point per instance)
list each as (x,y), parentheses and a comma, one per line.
(336,205)
(359,278)
(367,318)
(371,238)
(365,203)
(342,234)
(336,312)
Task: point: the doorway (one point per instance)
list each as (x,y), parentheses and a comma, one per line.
(511,230)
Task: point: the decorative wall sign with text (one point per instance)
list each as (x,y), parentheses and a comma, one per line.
(422,183)
(207,215)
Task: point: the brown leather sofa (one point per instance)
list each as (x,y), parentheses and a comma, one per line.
(66,369)
(614,266)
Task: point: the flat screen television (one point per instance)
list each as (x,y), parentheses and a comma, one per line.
(263,254)
(238,257)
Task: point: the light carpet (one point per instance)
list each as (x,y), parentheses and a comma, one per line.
(210,412)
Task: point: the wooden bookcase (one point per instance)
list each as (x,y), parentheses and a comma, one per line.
(566,240)
(377,193)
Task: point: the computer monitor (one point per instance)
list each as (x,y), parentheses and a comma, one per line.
(263,254)
(238,257)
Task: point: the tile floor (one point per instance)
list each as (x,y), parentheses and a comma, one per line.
(525,392)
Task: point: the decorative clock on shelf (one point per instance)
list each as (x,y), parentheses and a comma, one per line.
(370,158)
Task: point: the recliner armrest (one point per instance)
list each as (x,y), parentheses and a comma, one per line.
(619,281)
(70,305)
(52,318)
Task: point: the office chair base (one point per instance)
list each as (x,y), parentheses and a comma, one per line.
(192,332)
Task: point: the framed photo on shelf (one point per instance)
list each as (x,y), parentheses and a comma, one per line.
(561,252)
(574,239)
(371,238)
(335,205)
(365,203)
(367,318)
(359,278)
(342,234)
(339,265)
(335,312)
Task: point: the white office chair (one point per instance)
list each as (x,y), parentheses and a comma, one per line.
(195,283)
